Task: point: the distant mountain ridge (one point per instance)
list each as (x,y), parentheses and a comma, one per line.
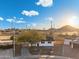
(68,28)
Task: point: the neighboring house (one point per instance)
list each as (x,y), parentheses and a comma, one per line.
(75,43)
(49,42)
(46,43)
(67,41)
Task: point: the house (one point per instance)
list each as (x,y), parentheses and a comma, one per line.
(72,42)
(49,42)
(75,43)
(67,41)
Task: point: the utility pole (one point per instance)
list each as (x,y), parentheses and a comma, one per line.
(51,24)
(13,34)
(26,27)
(0,25)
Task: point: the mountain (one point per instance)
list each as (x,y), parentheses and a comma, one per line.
(67,28)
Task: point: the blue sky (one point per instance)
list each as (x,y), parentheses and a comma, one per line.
(38,13)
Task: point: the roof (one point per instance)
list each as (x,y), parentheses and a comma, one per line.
(4,37)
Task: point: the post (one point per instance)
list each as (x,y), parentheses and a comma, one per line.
(13,34)
(71,45)
(51,24)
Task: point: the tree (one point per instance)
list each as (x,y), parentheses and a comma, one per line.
(11,38)
(30,36)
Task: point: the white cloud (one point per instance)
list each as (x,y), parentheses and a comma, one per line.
(30,13)
(50,18)
(34,24)
(10,20)
(45,3)
(20,21)
(1,19)
(74,17)
(14,17)
(14,20)
(21,18)
(28,25)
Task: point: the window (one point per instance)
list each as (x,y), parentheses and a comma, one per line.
(49,41)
